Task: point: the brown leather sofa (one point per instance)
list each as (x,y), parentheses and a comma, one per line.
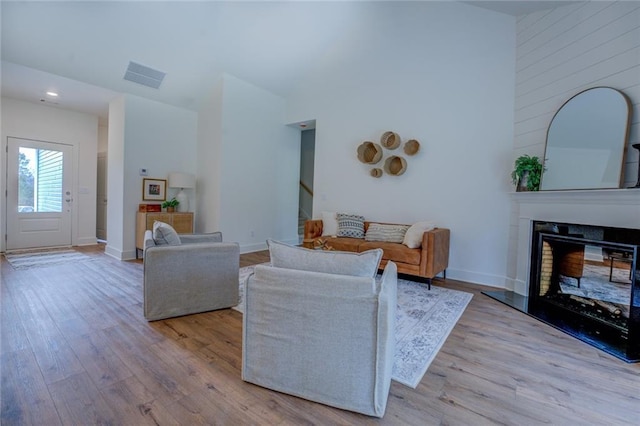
(425,262)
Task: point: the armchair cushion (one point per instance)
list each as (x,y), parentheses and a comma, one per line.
(363,264)
(164,234)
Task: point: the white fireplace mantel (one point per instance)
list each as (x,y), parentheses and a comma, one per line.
(611,207)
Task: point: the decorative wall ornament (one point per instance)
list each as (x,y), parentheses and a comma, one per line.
(395,165)
(390,140)
(411,147)
(369,152)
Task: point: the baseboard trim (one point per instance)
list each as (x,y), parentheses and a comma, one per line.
(250,248)
(120,255)
(87,241)
(476,278)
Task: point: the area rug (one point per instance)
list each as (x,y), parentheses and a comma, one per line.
(40,259)
(424,319)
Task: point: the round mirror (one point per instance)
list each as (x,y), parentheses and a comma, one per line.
(586,141)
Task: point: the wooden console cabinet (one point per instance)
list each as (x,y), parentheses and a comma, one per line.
(181,222)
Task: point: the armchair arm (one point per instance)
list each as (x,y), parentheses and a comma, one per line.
(435,252)
(214,237)
(148,240)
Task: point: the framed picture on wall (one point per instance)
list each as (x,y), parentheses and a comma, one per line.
(154,189)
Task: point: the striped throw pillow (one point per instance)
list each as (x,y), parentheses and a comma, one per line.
(350,225)
(385,232)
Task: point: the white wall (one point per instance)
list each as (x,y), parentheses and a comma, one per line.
(439,72)
(115,178)
(250,166)
(158,137)
(27,120)
(103,137)
(562,52)
(210,161)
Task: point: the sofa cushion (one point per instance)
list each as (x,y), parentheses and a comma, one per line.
(332,262)
(386,232)
(344,243)
(350,225)
(393,251)
(329,224)
(413,237)
(164,234)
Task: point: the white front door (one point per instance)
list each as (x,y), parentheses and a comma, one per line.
(39,194)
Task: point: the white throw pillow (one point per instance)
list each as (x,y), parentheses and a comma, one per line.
(329,224)
(413,237)
(164,234)
(389,233)
(363,264)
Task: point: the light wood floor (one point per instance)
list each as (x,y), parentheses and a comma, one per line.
(76,350)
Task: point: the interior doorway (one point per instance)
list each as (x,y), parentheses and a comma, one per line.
(39,197)
(101,198)
(307,159)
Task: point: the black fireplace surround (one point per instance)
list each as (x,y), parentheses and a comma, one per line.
(585,281)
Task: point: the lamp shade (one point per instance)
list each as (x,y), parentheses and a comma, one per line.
(181,180)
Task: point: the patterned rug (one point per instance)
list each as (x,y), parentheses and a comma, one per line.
(424,319)
(43,258)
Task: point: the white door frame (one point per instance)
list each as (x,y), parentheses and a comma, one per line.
(41,229)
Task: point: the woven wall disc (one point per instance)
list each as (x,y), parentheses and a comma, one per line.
(369,152)
(390,140)
(376,173)
(411,147)
(395,166)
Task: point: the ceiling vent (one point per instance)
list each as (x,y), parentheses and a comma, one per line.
(144,75)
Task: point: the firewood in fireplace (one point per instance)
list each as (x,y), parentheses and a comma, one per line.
(610,307)
(582,300)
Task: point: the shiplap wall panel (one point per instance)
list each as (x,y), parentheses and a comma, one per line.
(569,49)
(608,44)
(584,75)
(620,81)
(575,26)
(551,28)
(537,23)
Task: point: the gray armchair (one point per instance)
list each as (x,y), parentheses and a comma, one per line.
(200,274)
(321,336)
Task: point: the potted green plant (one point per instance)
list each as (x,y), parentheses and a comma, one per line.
(170,205)
(526,173)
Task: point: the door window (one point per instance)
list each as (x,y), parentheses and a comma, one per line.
(39,180)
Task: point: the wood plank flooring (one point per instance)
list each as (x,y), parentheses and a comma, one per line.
(76,350)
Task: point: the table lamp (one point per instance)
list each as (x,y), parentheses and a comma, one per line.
(182,181)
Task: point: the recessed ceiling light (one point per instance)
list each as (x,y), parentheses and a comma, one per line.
(52,94)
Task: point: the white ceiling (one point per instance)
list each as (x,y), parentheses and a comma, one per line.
(82,49)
